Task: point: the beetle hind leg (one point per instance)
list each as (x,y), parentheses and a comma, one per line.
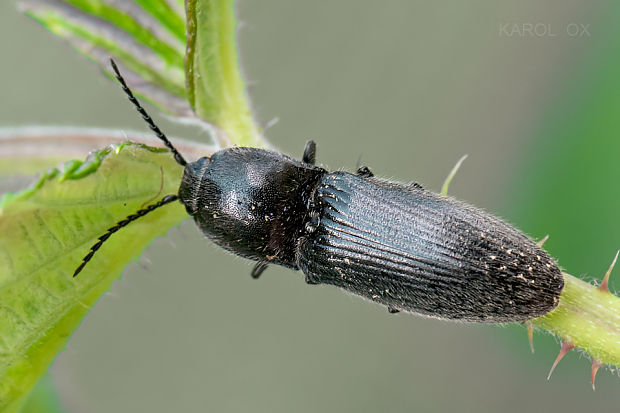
(258,269)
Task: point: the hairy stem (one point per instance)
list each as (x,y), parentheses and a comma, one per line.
(588,317)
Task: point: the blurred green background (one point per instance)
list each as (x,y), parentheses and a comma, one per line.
(411,86)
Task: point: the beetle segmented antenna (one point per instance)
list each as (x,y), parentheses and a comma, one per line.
(177,156)
(120,224)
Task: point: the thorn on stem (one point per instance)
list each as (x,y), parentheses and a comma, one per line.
(566,347)
(530,335)
(543,240)
(605,283)
(595,366)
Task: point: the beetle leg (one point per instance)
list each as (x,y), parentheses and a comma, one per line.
(310,280)
(309,155)
(364,172)
(258,269)
(392,310)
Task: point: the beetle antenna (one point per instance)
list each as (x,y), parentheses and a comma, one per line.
(120,224)
(177,156)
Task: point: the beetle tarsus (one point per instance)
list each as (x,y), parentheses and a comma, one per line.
(258,269)
(309,155)
(310,280)
(392,310)
(364,172)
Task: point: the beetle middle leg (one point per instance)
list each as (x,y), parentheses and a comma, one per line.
(309,155)
(364,172)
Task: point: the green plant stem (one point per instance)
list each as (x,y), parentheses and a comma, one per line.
(215,87)
(588,318)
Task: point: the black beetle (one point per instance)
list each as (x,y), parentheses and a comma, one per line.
(398,245)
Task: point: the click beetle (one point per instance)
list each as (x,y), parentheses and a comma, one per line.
(398,245)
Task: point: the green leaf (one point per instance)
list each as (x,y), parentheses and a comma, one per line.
(30,149)
(43,398)
(146,39)
(44,233)
(197,76)
(170,14)
(216,89)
